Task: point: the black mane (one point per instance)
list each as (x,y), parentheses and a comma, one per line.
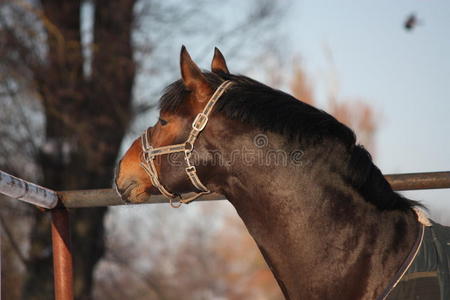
(254,103)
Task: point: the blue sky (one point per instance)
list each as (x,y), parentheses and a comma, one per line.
(405,76)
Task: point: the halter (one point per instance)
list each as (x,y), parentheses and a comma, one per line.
(149,153)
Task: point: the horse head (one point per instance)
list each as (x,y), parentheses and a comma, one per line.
(161,160)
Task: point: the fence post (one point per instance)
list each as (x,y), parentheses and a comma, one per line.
(62,255)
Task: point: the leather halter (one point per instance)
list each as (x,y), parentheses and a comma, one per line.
(149,153)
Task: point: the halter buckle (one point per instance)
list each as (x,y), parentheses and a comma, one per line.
(200,122)
(191,169)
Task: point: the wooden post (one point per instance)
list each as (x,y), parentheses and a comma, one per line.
(62,255)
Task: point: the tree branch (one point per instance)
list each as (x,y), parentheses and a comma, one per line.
(12,241)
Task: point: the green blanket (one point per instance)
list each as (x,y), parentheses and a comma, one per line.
(428,277)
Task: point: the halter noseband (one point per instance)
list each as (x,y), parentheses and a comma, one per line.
(149,153)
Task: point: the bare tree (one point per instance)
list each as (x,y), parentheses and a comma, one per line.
(68,79)
(211,257)
(85,117)
(355,113)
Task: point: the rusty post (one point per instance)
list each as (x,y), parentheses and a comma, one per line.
(62,255)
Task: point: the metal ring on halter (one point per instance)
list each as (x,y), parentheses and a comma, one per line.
(188,149)
(179,203)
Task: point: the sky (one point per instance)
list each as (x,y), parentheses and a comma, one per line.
(404,76)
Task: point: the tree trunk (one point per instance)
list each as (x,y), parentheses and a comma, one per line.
(86,119)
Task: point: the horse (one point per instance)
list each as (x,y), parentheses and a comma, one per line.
(325,219)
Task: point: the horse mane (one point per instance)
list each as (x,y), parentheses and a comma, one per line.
(254,103)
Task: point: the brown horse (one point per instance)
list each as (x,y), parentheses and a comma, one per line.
(326,221)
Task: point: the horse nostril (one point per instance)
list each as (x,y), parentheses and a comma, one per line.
(125,198)
(124,195)
(126,189)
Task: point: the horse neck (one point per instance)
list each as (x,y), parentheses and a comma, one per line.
(307,220)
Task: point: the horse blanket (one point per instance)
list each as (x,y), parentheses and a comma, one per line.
(428,277)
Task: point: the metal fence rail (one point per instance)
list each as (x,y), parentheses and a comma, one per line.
(419,181)
(62,256)
(26,191)
(57,202)
(32,193)
(108,197)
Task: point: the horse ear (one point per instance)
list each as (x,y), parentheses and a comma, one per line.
(218,63)
(193,78)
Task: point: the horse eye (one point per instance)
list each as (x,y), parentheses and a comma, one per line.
(163,122)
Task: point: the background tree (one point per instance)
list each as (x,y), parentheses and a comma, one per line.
(355,113)
(68,73)
(205,255)
(86,115)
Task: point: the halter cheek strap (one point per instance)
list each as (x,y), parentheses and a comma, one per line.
(149,153)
